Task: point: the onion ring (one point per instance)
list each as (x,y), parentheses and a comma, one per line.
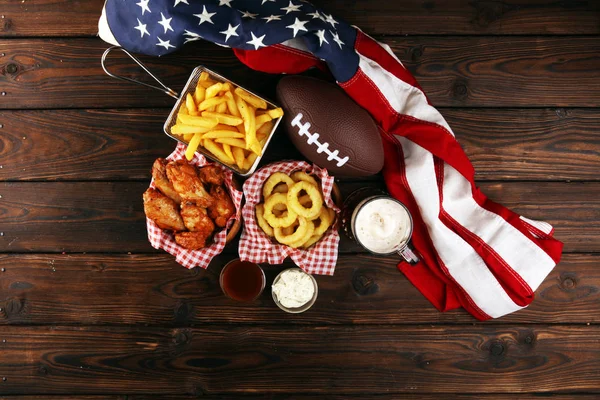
(274,180)
(272,219)
(281,187)
(315,197)
(312,240)
(325,221)
(260,219)
(303,176)
(304,200)
(304,227)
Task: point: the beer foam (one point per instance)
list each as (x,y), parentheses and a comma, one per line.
(382,225)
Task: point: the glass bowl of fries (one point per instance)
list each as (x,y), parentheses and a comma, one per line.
(223,121)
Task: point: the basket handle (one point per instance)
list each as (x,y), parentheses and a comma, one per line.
(163,88)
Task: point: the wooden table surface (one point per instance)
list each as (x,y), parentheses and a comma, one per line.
(88,310)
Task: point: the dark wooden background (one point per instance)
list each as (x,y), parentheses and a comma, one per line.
(88,310)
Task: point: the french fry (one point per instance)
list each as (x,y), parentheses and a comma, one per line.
(245,112)
(231,106)
(223,127)
(275,113)
(232,142)
(251,99)
(256,148)
(222,134)
(217,151)
(203,121)
(206,84)
(179,129)
(249,161)
(260,136)
(222,108)
(223,118)
(250,126)
(193,146)
(188,136)
(190,105)
(212,109)
(238,156)
(265,128)
(204,76)
(261,119)
(227,150)
(213,90)
(213,101)
(183,110)
(199,94)
(226,87)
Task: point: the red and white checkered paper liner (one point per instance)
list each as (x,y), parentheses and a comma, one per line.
(159,239)
(256,246)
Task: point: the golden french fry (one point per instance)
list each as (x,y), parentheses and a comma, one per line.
(222,134)
(221,108)
(183,110)
(217,151)
(265,128)
(204,76)
(206,84)
(223,118)
(193,146)
(250,98)
(227,150)
(213,90)
(211,102)
(261,119)
(275,113)
(249,161)
(205,122)
(241,129)
(261,136)
(256,148)
(233,142)
(250,126)
(190,105)
(238,155)
(179,129)
(188,136)
(226,87)
(199,94)
(231,106)
(223,127)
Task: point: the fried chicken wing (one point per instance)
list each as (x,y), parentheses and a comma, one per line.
(222,208)
(162,210)
(159,173)
(212,174)
(186,182)
(191,240)
(196,219)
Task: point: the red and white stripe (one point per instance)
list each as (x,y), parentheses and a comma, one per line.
(475,253)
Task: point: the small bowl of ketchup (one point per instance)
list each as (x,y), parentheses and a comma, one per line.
(242,280)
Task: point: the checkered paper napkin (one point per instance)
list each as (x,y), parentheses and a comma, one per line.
(195,258)
(255,245)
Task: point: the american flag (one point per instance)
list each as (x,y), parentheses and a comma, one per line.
(474,253)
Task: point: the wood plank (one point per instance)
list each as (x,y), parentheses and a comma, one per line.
(454,71)
(213,360)
(413,17)
(295,396)
(504,71)
(523,144)
(108,216)
(155,290)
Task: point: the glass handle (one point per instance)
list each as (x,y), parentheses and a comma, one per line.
(409,254)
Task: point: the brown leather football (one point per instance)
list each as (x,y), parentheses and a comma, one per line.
(329,128)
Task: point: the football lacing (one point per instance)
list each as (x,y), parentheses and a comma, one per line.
(313,138)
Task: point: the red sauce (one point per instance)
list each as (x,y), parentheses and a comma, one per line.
(242,280)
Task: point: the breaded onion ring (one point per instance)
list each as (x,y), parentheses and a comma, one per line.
(325,221)
(303,176)
(272,219)
(260,219)
(315,196)
(274,180)
(304,228)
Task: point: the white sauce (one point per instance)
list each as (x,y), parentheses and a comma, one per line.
(294,288)
(382,226)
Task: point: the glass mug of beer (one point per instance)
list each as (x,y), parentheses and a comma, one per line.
(379,223)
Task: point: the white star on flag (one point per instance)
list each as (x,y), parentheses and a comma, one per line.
(336,38)
(314,15)
(144,5)
(164,43)
(321,35)
(292,7)
(180,1)
(165,22)
(298,26)
(257,42)
(229,32)
(142,28)
(264,1)
(273,18)
(192,36)
(225,3)
(331,20)
(247,14)
(205,16)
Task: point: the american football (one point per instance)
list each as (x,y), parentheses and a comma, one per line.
(329,128)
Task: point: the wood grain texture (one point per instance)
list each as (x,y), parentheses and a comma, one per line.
(108,216)
(513,17)
(454,71)
(296,396)
(155,290)
(225,359)
(544,144)
(504,71)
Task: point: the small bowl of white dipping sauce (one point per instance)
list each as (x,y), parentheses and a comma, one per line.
(294,291)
